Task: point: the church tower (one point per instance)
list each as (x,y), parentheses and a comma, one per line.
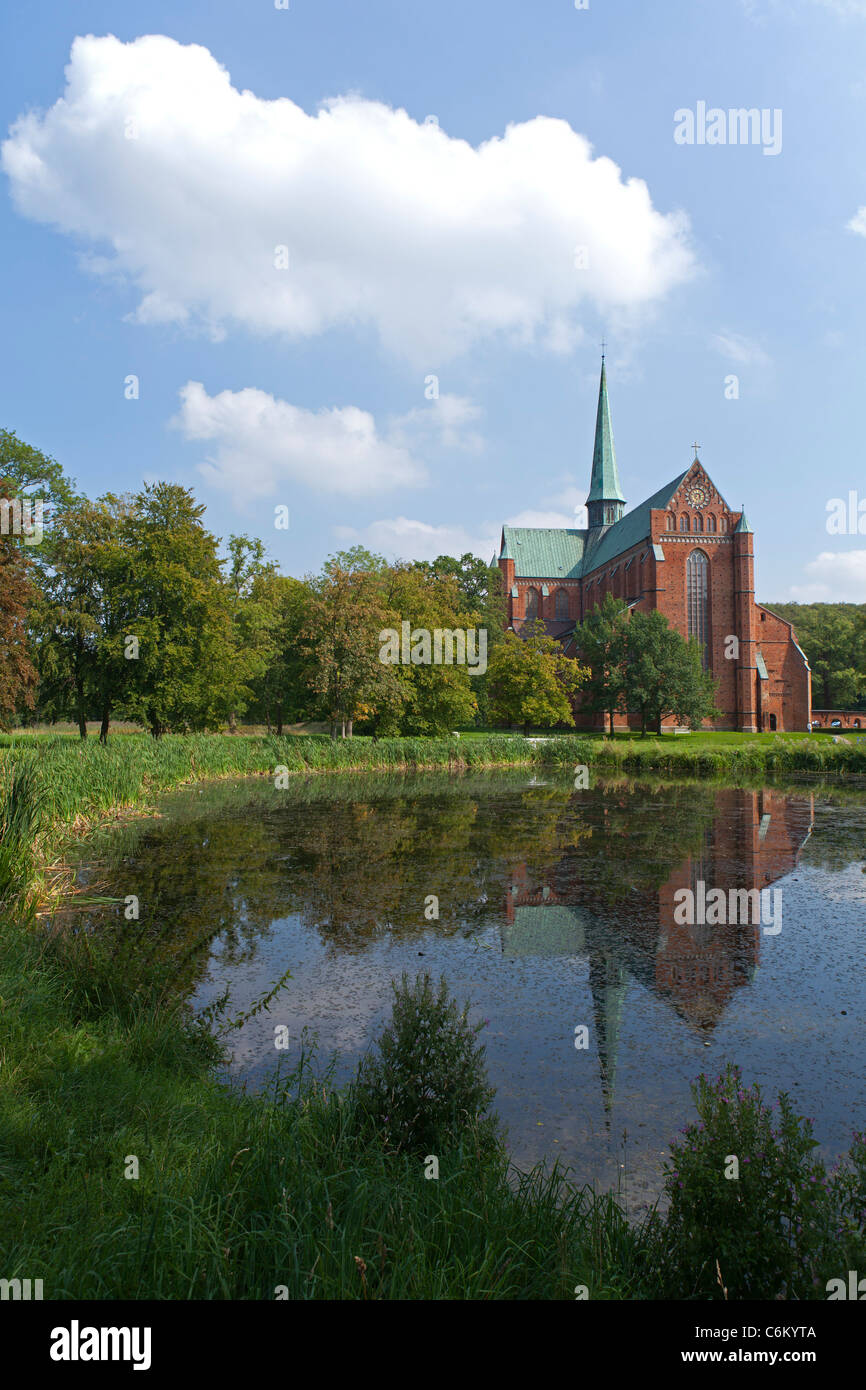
(605,501)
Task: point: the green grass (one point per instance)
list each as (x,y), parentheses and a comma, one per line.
(240,1196)
(79,783)
(237,1196)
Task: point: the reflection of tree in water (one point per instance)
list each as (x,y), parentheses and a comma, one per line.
(630,838)
(354,858)
(839,834)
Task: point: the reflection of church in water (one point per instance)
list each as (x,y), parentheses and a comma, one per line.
(755,840)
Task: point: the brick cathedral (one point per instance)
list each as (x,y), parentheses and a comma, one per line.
(682,551)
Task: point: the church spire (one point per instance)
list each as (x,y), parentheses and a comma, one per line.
(605,501)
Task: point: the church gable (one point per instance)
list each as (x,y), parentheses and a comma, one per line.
(697,505)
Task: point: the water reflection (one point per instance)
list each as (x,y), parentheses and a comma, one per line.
(754,839)
(557,909)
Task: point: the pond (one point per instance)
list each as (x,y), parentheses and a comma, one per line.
(563,916)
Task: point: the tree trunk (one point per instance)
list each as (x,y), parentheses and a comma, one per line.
(343,727)
(80,707)
(349,724)
(279,719)
(526,730)
(334,729)
(610,717)
(106,720)
(659,726)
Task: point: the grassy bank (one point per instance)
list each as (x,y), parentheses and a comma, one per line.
(75,784)
(127,1171)
(237,1197)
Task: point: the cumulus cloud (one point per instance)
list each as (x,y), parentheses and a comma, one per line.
(835,578)
(185,187)
(858,222)
(261,442)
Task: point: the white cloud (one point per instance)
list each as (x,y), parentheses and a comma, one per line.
(261,442)
(404,539)
(388,222)
(858,222)
(836,578)
(740,348)
(443,422)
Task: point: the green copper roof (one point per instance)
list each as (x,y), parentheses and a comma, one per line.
(604,486)
(742,524)
(551,929)
(630,530)
(543,552)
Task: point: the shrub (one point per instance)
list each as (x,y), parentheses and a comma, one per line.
(777,1229)
(425,1088)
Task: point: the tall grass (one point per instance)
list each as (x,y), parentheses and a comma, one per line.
(240,1197)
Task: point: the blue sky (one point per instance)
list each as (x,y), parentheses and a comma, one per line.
(287,271)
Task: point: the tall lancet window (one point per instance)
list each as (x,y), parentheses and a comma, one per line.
(697,596)
(531,604)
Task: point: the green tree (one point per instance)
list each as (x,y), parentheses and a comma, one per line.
(532,682)
(30,474)
(833,636)
(664,674)
(340,633)
(482,599)
(430,697)
(82,611)
(600,642)
(282,692)
(254,616)
(188,672)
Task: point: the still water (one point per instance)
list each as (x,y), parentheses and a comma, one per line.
(557,913)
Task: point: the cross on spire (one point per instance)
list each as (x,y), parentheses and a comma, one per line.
(696,447)
(603,346)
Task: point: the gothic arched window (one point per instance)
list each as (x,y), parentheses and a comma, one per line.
(697,598)
(711,522)
(699,522)
(723,523)
(532,598)
(672,522)
(561,604)
(684,522)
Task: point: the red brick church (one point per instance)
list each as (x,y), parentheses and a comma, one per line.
(682,551)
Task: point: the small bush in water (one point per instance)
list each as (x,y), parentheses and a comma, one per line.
(773,1224)
(424,1088)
